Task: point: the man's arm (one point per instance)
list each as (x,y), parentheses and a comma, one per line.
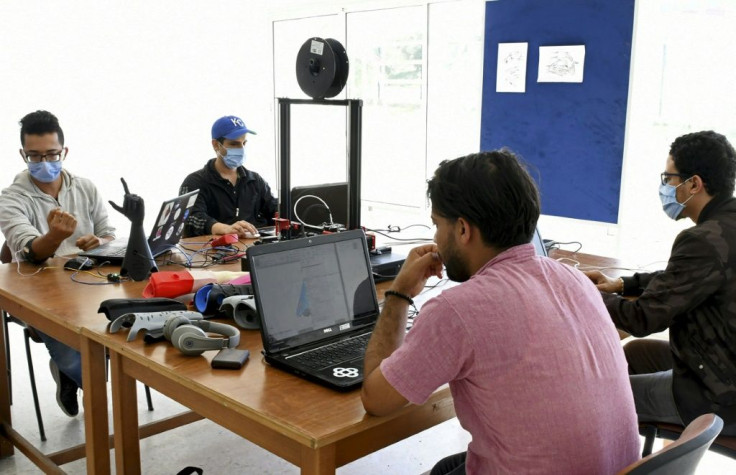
(627,286)
(239,227)
(90,241)
(103,231)
(378,396)
(199,222)
(61,225)
(694,272)
(269,203)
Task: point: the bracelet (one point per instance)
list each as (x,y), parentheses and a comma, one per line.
(399,295)
(29,255)
(621,279)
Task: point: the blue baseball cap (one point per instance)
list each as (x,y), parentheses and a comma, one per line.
(230,127)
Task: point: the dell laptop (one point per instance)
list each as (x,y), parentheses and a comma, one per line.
(317,304)
(166,233)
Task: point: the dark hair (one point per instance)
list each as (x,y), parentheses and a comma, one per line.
(221,140)
(710,156)
(40,123)
(493,191)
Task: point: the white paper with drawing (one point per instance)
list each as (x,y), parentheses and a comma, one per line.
(561,63)
(511,73)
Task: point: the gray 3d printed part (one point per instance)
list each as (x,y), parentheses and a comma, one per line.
(242,309)
(152,322)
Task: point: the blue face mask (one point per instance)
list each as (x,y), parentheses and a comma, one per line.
(668,197)
(234,158)
(45,172)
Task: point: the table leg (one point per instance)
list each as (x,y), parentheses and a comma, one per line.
(94,383)
(125,419)
(318,462)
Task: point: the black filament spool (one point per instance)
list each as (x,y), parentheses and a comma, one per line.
(322,67)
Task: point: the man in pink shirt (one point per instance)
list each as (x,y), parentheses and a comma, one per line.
(535,367)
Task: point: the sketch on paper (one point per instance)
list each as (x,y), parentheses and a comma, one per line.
(511,70)
(561,63)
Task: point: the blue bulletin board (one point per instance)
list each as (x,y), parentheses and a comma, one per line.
(571,133)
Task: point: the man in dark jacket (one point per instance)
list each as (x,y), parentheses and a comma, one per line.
(695,296)
(232,199)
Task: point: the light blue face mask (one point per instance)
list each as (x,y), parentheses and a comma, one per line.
(668,197)
(234,157)
(45,172)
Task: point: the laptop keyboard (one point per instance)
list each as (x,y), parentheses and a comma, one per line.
(338,352)
(108,251)
(119,252)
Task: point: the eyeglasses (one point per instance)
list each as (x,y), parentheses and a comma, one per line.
(34,157)
(665,177)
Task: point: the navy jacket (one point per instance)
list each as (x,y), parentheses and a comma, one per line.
(250,199)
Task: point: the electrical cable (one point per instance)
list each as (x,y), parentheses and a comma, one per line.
(551,244)
(296,215)
(413,240)
(17,266)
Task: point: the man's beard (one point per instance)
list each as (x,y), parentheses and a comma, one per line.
(456,267)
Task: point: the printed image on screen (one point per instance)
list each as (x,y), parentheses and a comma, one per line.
(308,289)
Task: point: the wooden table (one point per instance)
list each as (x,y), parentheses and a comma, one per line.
(313,427)
(310,426)
(52,303)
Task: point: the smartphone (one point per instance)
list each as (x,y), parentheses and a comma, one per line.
(230,358)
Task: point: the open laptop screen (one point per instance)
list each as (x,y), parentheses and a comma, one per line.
(313,288)
(539,243)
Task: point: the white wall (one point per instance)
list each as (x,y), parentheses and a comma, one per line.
(137,85)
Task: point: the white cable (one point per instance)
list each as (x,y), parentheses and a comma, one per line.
(296,215)
(17,263)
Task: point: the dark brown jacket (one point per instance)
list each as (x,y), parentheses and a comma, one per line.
(695,297)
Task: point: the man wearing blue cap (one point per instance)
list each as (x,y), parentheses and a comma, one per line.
(232,199)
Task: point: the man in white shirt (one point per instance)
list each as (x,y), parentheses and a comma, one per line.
(49,211)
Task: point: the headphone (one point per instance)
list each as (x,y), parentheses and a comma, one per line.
(190,336)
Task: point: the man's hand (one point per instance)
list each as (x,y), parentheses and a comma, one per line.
(61,224)
(421,263)
(603,282)
(90,241)
(238,227)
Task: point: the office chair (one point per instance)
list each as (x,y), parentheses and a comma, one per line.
(683,455)
(30,334)
(723,444)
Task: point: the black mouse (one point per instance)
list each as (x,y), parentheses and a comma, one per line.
(79,262)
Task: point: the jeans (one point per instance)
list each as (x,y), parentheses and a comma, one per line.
(67,359)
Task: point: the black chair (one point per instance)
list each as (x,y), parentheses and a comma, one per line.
(29,334)
(683,455)
(723,444)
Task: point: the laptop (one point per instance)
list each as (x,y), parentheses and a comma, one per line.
(312,211)
(317,304)
(167,231)
(538,242)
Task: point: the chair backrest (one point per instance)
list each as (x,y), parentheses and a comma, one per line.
(5,254)
(683,455)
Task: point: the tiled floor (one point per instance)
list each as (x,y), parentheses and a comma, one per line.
(209,446)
